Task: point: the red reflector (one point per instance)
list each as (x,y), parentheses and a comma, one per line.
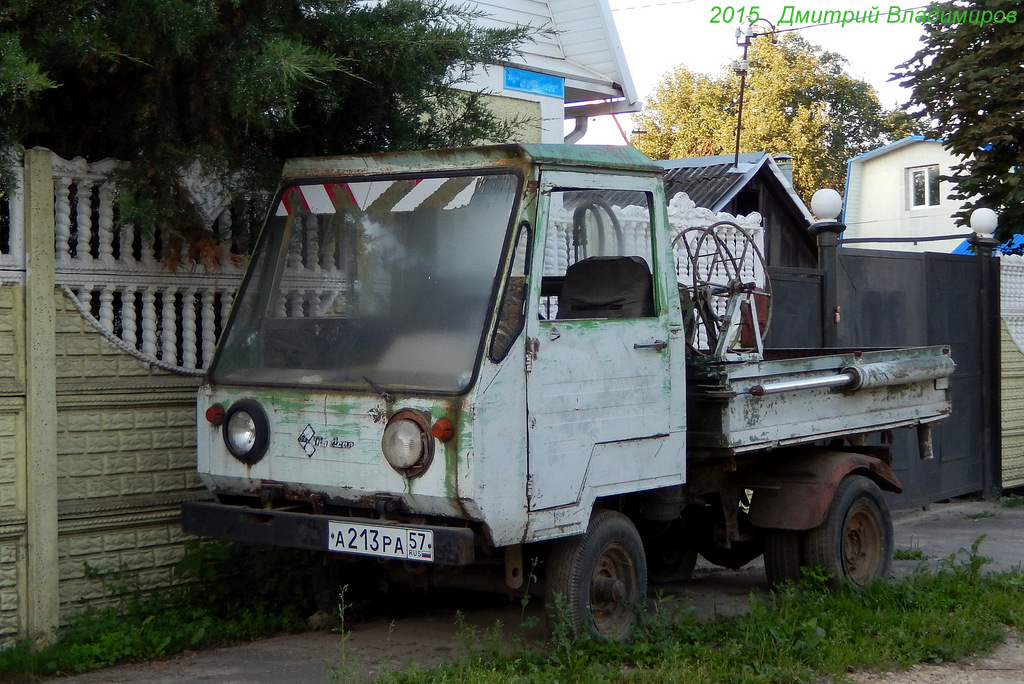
(215,414)
(443,429)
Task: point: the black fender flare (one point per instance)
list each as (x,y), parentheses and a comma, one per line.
(807,484)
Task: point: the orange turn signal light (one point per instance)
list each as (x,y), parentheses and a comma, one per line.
(443,429)
(215,414)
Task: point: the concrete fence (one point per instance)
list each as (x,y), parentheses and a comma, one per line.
(1011,290)
(100,348)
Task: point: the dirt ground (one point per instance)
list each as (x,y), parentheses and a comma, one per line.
(426,635)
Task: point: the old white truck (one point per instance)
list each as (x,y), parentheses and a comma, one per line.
(451,363)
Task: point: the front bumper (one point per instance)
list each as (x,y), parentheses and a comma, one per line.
(452,545)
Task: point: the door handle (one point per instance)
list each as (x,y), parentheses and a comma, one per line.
(657,345)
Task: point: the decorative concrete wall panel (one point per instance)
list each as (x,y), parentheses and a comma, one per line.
(1012,408)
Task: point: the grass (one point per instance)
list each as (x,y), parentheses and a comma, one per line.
(237,592)
(804,633)
(979,516)
(1013,501)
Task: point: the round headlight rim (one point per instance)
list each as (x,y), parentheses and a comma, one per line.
(423,422)
(261,428)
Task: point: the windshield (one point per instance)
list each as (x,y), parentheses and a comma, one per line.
(380,283)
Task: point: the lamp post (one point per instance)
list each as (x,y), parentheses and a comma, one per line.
(744,36)
(983,223)
(826,205)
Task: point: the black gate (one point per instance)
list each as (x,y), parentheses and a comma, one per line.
(882,298)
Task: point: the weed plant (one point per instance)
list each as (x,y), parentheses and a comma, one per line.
(908,554)
(803,633)
(227,592)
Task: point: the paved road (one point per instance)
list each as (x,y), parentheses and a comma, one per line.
(939,532)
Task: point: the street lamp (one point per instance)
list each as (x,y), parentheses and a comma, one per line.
(744,36)
(984,222)
(827,205)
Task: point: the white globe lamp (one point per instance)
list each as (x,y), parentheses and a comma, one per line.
(984,221)
(826,205)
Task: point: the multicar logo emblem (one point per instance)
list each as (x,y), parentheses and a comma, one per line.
(309,441)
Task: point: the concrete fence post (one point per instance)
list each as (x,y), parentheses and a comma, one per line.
(42,584)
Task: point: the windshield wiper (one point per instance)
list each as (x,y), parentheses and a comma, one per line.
(388,396)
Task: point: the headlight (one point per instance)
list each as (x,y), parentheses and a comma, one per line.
(246,431)
(407,443)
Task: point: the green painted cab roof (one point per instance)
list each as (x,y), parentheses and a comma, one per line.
(612,157)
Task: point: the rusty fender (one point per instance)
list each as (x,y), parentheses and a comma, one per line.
(807,484)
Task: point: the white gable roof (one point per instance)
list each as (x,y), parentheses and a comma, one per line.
(579,43)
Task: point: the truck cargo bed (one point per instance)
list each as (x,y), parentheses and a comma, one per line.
(801,396)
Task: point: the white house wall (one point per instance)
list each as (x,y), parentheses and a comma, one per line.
(575,41)
(878,203)
(545,114)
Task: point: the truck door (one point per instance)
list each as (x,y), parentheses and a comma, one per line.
(598,380)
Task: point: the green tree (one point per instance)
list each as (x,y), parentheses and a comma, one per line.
(967,86)
(798,100)
(237,86)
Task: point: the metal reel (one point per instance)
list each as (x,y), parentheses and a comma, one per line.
(724,291)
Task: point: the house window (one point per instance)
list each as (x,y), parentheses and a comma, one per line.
(924,186)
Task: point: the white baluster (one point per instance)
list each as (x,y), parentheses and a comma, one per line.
(83,215)
(315,303)
(189,339)
(105,226)
(209,330)
(227,299)
(294,259)
(62,218)
(107,309)
(331,262)
(168,328)
(148,257)
(126,236)
(149,322)
(128,324)
(312,243)
(85,296)
(295,300)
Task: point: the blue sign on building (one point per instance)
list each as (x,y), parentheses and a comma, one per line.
(533,82)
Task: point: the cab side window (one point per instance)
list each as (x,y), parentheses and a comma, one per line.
(597,256)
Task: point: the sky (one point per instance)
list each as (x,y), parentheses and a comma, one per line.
(659,35)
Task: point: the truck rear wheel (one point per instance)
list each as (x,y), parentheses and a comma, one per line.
(671,557)
(855,542)
(598,581)
(783,556)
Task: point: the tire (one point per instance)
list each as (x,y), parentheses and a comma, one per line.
(783,556)
(855,542)
(670,555)
(597,582)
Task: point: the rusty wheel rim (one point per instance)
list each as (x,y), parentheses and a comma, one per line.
(862,546)
(612,587)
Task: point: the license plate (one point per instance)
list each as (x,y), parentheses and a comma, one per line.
(408,543)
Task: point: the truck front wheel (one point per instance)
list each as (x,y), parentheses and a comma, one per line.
(598,581)
(855,542)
